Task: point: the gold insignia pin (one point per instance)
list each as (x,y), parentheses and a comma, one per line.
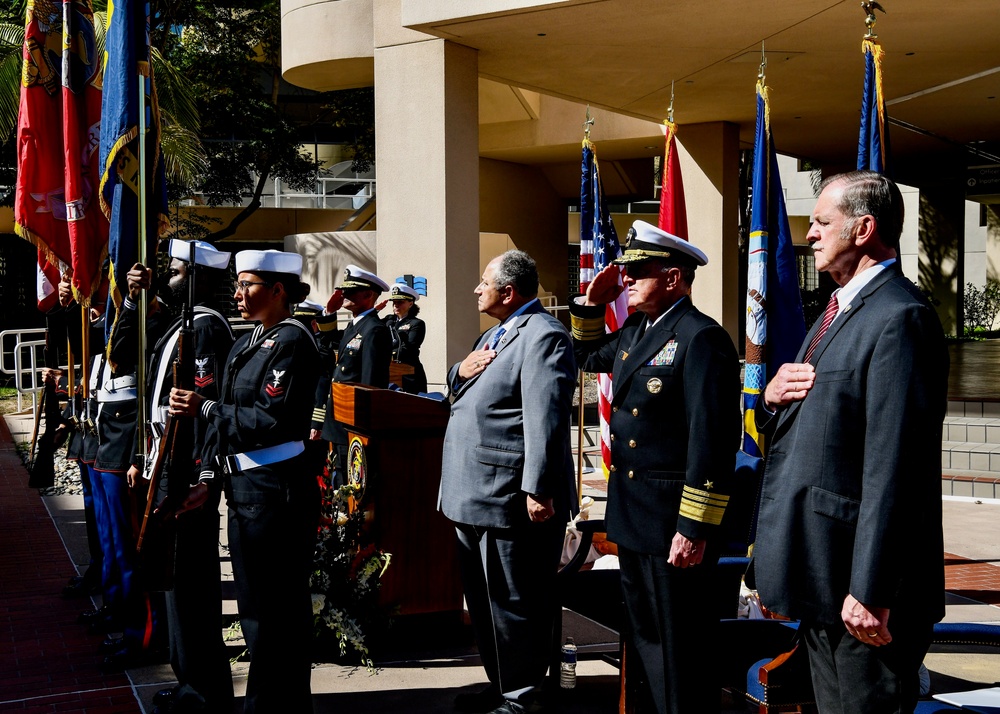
(709,485)
(654,385)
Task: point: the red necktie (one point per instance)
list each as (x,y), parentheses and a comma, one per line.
(831,312)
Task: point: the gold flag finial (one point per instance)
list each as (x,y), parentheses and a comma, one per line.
(763,64)
(870,6)
(670,109)
(588,124)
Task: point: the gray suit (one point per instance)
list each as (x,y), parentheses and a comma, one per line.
(509,436)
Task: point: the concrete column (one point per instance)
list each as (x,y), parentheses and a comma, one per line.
(427,149)
(709,155)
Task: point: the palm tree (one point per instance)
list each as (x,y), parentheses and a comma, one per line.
(182,151)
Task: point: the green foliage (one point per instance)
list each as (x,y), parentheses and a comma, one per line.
(981,308)
(354,110)
(11,42)
(231,58)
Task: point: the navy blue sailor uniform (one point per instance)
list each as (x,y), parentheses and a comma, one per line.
(328,337)
(194,606)
(117,418)
(363,358)
(675,427)
(255,446)
(407,335)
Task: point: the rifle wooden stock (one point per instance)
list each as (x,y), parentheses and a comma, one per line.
(157,535)
(38,420)
(42,472)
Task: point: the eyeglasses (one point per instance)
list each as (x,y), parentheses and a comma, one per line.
(241,286)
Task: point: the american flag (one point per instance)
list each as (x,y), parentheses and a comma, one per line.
(598,247)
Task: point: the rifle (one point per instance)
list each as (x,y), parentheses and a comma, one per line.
(41,465)
(175,454)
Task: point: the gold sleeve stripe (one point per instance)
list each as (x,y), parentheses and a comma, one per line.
(319,414)
(703,506)
(587,328)
(326,326)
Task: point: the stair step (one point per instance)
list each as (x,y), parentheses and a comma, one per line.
(965,429)
(975,409)
(970,483)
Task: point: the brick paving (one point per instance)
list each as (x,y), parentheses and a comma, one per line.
(48,663)
(974,579)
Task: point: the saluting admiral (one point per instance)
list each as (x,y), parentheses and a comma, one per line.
(194,605)
(407,332)
(675,429)
(365,348)
(255,446)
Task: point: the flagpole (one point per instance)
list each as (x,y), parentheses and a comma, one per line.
(143,295)
(85,357)
(579,443)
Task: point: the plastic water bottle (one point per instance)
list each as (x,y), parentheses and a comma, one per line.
(567,668)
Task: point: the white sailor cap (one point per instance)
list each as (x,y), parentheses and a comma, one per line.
(355,277)
(269,261)
(646,241)
(402,291)
(204,253)
(307,307)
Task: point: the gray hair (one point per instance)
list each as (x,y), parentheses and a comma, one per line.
(867,193)
(517,269)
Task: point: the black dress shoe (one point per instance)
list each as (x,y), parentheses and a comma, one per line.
(164,696)
(126,658)
(80,588)
(88,616)
(480,702)
(509,707)
(111,645)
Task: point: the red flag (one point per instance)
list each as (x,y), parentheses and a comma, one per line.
(673,214)
(58,135)
(46,286)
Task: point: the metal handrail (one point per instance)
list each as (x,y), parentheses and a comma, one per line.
(18,370)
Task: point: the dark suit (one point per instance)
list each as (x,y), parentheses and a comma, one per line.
(675,429)
(851,496)
(509,436)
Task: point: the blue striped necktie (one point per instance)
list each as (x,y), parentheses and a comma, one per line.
(495,340)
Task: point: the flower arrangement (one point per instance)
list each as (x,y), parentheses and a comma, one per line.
(346,572)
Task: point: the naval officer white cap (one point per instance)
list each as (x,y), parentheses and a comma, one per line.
(646,241)
(355,277)
(402,291)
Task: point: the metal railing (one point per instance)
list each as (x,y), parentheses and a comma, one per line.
(22,357)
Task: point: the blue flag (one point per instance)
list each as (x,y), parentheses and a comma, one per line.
(873,142)
(128,86)
(775,325)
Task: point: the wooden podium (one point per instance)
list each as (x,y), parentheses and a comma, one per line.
(394,454)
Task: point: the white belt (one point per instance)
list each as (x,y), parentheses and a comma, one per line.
(119,389)
(261,457)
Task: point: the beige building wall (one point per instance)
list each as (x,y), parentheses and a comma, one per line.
(709,156)
(518,200)
(426,112)
(269,224)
